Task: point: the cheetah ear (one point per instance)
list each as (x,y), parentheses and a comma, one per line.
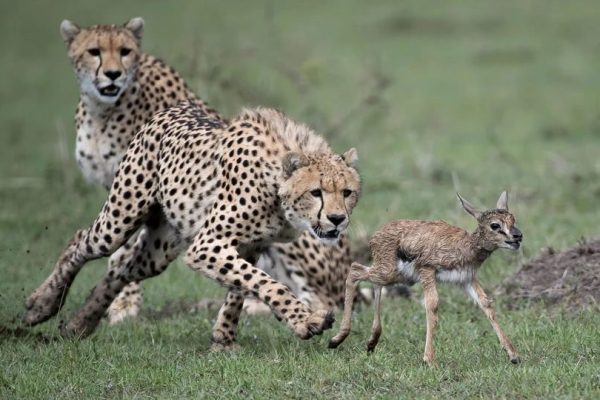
(470,208)
(293,161)
(69,30)
(136,26)
(351,157)
(502,203)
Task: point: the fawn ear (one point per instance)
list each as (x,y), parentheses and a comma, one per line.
(69,30)
(136,26)
(350,157)
(470,208)
(293,161)
(502,203)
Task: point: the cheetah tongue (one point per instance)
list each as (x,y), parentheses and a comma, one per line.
(110,90)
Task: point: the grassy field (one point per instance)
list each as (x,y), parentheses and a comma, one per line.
(437,97)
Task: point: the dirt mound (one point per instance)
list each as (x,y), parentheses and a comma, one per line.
(570,277)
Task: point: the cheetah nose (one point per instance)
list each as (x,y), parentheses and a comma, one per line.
(112,74)
(336,219)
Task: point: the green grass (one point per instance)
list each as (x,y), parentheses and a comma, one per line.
(437,97)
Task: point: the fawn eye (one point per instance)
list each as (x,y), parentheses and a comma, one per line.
(95,52)
(347,192)
(495,226)
(316,192)
(125,51)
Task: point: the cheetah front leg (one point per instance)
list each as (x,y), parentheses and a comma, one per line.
(49,297)
(220,261)
(225,327)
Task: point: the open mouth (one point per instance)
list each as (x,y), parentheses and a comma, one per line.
(330,235)
(515,244)
(110,90)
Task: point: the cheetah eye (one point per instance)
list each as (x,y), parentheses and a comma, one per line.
(95,52)
(125,51)
(316,192)
(495,226)
(347,192)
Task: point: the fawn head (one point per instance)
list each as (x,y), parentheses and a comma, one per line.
(496,226)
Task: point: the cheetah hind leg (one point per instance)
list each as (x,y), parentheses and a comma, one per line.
(129,301)
(150,260)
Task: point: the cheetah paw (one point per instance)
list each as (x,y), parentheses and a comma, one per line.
(120,311)
(79,327)
(222,341)
(43,304)
(223,347)
(315,324)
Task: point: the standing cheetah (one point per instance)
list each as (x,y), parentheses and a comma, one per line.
(121,88)
(223,191)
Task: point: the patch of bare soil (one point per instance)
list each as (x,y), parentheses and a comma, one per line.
(570,278)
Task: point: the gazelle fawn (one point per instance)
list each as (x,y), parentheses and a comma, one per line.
(408,251)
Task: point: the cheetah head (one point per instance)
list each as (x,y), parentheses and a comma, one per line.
(319,192)
(105,57)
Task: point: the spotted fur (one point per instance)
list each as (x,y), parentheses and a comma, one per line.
(223,191)
(110,56)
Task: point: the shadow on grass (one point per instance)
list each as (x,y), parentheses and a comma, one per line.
(18,332)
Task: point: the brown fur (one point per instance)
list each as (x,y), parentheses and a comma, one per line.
(407,251)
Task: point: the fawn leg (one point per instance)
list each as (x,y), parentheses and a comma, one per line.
(357,273)
(376,328)
(431,305)
(477,293)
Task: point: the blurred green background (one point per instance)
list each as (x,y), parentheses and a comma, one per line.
(475,96)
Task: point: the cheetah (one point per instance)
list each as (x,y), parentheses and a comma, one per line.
(221,192)
(121,88)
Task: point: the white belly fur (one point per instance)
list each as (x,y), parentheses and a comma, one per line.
(95,167)
(460,276)
(407,270)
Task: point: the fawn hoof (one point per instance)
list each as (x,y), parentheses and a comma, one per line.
(373,340)
(41,305)
(333,344)
(338,339)
(430,361)
(315,324)
(515,359)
